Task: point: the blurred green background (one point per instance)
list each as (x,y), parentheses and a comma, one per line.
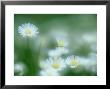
(80,29)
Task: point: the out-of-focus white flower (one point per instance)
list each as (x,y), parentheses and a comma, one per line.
(91,67)
(54,53)
(19,68)
(56,64)
(61,42)
(62,50)
(72,61)
(89,63)
(28,30)
(49,72)
(58,52)
(89,37)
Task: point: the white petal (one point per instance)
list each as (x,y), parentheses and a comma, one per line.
(32,30)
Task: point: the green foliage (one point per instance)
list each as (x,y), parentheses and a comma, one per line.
(31,50)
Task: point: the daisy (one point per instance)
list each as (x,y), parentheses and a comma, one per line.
(28,30)
(61,42)
(48,72)
(19,68)
(72,61)
(56,64)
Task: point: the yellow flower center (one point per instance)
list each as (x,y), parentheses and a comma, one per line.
(61,43)
(28,32)
(73,62)
(56,65)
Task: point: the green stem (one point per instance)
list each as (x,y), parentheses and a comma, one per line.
(29,58)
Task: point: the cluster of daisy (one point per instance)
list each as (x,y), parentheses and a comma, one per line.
(55,64)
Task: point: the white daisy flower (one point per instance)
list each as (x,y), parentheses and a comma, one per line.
(48,72)
(56,64)
(28,30)
(72,61)
(19,68)
(61,42)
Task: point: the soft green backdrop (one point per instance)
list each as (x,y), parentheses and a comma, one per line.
(30,51)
